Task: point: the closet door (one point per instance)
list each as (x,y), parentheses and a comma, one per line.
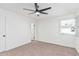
(2,33)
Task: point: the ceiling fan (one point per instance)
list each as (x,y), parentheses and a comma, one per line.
(37,11)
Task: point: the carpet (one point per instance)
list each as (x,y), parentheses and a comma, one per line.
(38,48)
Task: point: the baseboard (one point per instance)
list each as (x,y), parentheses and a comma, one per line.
(18,45)
(55,43)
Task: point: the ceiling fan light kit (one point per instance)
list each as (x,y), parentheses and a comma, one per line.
(37,11)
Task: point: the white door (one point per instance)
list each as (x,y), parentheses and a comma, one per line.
(33,31)
(2,33)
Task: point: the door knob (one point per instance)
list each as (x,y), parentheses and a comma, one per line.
(4,35)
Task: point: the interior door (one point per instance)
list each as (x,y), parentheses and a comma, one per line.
(2,33)
(33,31)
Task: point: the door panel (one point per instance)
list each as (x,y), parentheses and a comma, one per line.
(33,31)
(2,33)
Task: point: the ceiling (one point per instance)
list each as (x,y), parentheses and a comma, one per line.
(58,9)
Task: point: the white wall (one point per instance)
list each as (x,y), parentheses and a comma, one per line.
(77,44)
(48,31)
(18,31)
(77,34)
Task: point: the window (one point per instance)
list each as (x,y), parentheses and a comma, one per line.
(67,26)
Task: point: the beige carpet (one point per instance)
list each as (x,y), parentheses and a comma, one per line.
(37,48)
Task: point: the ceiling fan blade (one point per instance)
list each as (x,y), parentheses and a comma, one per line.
(45,9)
(28,9)
(36,6)
(43,12)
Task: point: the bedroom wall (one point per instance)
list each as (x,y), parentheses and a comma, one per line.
(77,35)
(18,30)
(48,31)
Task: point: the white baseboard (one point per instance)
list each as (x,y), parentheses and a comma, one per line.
(18,45)
(56,43)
